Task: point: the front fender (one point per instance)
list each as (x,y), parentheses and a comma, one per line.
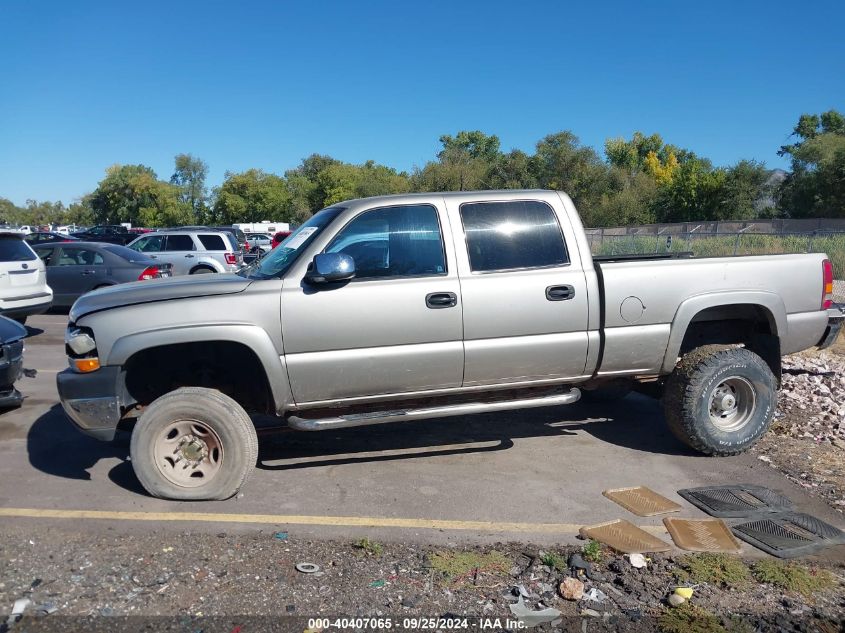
(251,336)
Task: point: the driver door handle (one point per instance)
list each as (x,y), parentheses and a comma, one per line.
(437,300)
(560,293)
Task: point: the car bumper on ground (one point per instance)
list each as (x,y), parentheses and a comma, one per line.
(91,400)
(835,318)
(26,305)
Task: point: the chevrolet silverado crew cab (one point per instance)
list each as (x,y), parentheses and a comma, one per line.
(428,305)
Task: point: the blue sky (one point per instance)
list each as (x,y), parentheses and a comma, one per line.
(263,84)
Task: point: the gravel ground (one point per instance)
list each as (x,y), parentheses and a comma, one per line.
(807,440)
(195,578)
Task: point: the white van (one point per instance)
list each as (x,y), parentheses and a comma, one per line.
(23,279)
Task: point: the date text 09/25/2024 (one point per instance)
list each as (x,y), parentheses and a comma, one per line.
(415,623)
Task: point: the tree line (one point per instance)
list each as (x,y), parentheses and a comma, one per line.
(638,181)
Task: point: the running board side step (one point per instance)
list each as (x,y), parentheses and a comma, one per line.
(406,415)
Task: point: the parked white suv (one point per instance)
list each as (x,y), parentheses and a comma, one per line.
(23,279)
(192,252)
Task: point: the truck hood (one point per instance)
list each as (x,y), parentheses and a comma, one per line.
(157,290)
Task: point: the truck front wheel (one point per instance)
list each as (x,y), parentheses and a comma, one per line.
(720,400)
(194,444)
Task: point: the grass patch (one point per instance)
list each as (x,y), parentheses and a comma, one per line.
(715,569)
(370,547)
(793,576)
(593,552)
(689,618)
(555,561)
(456,564)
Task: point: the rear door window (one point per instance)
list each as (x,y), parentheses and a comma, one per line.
(212,242)
(151,244)
(79,257)
(179,242)
(512,235)
(14,249)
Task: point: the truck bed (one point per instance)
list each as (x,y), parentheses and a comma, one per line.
(643,296)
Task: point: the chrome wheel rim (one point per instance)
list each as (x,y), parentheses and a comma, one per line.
(732,403)
(188,453)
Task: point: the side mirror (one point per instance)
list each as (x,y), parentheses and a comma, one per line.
(327,268)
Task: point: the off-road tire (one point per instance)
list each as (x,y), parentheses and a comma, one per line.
(688,392)
(223,415)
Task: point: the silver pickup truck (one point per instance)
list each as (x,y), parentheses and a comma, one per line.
(428,305)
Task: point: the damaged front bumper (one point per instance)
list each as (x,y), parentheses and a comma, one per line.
(91,400)
(835,318)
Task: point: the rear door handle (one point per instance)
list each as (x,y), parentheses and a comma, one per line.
(437,300)
(188,255)
(560,293)
(89,272)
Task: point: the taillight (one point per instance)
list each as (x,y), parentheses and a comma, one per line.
(150,272)
(827,284)
(231,258)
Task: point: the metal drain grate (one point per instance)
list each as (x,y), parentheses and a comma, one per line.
(789,534)
(736,501)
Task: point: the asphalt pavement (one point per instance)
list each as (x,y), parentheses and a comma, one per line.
(535,475)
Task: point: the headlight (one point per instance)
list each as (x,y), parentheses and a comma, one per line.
(80,341)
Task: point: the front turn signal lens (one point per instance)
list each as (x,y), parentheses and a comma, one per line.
(85,365)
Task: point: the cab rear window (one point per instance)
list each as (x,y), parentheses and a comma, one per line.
(14,249)
(512,235)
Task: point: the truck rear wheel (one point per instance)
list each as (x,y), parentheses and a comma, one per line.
(720,400)
(194,444)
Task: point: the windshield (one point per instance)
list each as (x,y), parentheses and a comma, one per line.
(277,261)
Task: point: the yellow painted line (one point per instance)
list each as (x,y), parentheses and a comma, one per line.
(275,519)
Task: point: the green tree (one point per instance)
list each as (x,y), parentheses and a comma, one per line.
(694,193)
(9,211)
(80,212)
(475,144)
(631,155)
(189,175)
(464,163)
(307,196)
(134,194)
(514,170)
(252,196)
(562,163)
(743,190)
(816,185)
(630,201)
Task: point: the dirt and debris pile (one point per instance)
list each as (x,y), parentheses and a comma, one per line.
(815,387)
(807,440)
